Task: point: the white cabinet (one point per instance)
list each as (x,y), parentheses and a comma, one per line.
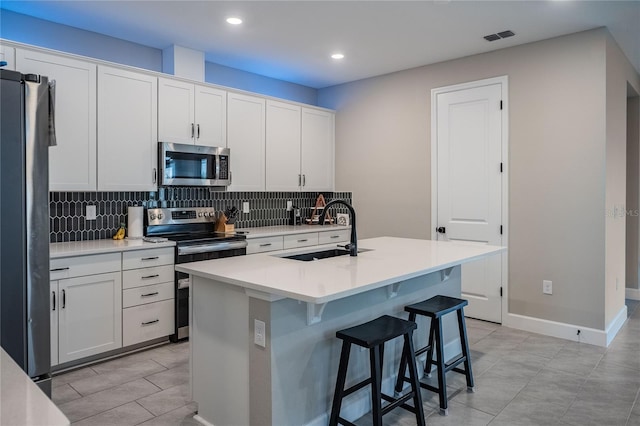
(338,236)
(148,295)
(283,147)
(191,114)
(8,55)
(301,240)
(127,130)
(246,139)
(264,244)
(299,148)
(72,163)
(86,303)
(317,163)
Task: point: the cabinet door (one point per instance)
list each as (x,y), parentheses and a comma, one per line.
(54,308)
(211,116)
(127,130)
(176,118)
(246,139)
(317,150)
(8,54)
(283,147)
(90,315)
(72,163)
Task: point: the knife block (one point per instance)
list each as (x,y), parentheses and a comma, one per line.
(223,226)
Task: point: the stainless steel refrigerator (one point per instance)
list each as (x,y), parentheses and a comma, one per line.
(26,131)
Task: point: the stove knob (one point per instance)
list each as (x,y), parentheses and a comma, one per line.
(160,216)
(211,214)
(200,214)
(153,216)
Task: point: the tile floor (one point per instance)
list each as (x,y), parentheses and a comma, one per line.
(521,379)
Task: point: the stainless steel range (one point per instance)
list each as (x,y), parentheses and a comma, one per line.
(193,231)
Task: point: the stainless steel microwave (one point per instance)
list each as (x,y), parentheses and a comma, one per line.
(193,165)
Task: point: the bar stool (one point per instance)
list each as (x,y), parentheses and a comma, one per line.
(435,308)
(373,335)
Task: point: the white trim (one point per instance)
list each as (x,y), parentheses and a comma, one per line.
(202,421)
(588,335)
(632,293)
(504,82)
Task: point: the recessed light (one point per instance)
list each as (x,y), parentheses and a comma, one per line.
(337,56)
(234,21)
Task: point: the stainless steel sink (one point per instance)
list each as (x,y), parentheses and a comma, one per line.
(318,255)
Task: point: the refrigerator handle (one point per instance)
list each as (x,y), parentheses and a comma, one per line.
(52,113)
(64,299)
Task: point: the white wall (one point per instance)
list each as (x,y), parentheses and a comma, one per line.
(557,159)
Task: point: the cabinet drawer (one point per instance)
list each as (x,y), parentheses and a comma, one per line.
(70,267)
(146,322)
(264,244)
(144,258)
(338,236)
(147,294)
(147,276)
(301,240)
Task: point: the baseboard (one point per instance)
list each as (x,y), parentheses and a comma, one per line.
(591,336)
(632,293)
(201,420)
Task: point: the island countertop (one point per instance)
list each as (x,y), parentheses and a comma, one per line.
(387,261)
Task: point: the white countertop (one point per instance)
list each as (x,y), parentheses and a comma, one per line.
(390,260)
(81,248)
(21,400)
(273,231)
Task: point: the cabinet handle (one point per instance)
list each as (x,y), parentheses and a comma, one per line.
(303,241)
(198,131)
(304,180)
(64,299)
(150,276)
(335,236)
(150,322)
(155,175)
(150,294)
(299,180)
(265,245)
(151,258)
(192,130)
(54,300)
(59,269)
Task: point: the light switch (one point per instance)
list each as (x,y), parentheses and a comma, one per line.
(245,207)
(258,333)
(90,213)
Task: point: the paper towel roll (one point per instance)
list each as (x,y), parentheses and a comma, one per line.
(135,219)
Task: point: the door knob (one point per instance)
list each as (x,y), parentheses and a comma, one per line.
(441,229)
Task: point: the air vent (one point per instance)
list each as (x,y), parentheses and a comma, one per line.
(498,36)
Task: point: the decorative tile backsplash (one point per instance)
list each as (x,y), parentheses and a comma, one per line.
(67,209)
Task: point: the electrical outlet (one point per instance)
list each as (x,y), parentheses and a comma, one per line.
(259,333)
(547,287)
(289,205)
(90,213)
(245,207)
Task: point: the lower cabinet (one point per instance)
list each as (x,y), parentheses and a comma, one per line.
(87,312)
(146,322)
(305,239)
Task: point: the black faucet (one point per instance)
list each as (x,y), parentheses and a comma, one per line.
(353,245)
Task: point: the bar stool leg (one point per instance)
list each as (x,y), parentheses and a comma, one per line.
(376,384)
(342,377)
(407,355)
(442,382)
(430,342)
(465,350)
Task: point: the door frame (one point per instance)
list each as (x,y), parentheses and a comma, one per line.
(504,82)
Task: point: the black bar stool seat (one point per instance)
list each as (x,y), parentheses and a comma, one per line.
(435,308)
(373,335)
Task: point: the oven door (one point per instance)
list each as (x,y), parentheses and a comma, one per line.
(193,165)
(183,283)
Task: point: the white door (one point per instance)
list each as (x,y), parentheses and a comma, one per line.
(469,187)
(246,140)
(89,316)
(127,130)
(211,116)
(176,111)
(54,304)
(283,147)
(317,150)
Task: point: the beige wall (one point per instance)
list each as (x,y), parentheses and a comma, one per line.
(557,159)
(633,191)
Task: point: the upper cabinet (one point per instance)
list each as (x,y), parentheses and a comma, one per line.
(127,130)
(300,148)
(246,140)
(8,55)
(191,113)
(72,163)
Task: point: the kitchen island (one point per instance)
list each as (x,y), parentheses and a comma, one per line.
(263,327)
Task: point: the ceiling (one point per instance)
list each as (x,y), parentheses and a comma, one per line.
(293,40)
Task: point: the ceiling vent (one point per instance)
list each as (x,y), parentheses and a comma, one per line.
(498,36)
